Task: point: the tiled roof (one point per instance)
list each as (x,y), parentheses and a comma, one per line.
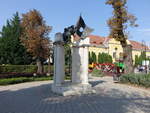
(100,40)
(138,45)
(97,40)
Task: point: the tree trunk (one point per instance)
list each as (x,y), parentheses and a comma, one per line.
(49,66)
(127,59)
(40,66)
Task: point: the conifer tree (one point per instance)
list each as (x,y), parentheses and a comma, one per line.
(11,50)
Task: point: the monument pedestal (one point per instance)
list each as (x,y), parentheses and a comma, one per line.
(79,83)
(69,88)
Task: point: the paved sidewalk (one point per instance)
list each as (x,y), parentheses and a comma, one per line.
(36,97)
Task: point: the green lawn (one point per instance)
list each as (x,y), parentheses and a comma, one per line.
(97,73)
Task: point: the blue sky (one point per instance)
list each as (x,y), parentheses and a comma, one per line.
(63,13)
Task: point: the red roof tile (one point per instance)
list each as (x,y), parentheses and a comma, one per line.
(94,39)
(97,40)
(138,45)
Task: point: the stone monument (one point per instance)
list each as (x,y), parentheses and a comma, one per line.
(79,81)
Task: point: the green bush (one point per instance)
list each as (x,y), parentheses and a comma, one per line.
(104,58)
(21,68)
(138,79)
(18,68)
(92,57)
(97,73)
(22,79)
(139,59)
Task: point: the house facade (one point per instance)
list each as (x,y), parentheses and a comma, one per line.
(112,47)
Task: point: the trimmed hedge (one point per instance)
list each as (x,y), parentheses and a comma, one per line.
(22,80)
(138,79)
(21,68)
(17,80)
(14,75)
(18,68)
(104,58)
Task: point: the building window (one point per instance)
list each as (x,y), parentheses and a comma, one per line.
(115,53)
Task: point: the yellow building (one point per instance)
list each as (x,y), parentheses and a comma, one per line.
(112,47)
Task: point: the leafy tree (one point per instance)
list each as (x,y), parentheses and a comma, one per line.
(136,60)
(35,37)
(100,58)
(90,60)
(90,57)
(11,50)
(142,57)
(68,57)
(118,24)
(110,59)
(93,57)
(67,54)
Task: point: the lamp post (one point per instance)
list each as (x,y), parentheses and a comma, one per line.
(145,59)
(144,50)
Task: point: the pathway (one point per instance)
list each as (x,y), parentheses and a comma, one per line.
(36,97)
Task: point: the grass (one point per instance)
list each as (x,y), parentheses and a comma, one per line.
(22,80)
(97,73)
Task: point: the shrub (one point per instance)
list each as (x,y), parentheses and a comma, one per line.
(13,80)
(21,68)
(13,71)
(104,58)
(18,68)
(22,79)
(14,75)
(138,79)
(97,73)
(92,57)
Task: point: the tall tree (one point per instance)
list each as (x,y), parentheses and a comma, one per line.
(141,58)
(11,49)
(35,37)
(118,24)
(137,60)
(93,57)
